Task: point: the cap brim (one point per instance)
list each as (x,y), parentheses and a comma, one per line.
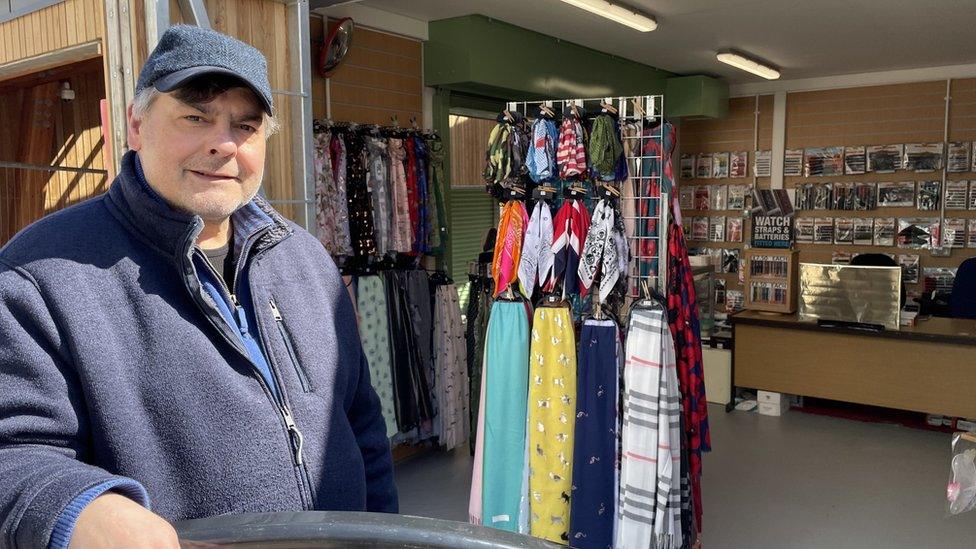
(176,79)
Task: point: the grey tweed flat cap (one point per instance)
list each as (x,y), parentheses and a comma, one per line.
(185,52)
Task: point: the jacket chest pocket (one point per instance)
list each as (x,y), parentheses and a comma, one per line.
(289,346)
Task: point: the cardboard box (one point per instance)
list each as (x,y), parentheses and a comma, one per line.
(771,397)
(777,409)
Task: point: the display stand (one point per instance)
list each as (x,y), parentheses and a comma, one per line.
(770,280)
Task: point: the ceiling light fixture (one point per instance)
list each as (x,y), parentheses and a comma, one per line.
(748,65)
(617,13)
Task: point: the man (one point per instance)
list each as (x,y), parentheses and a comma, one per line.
(176,349)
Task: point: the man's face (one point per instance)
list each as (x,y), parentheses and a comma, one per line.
(206,159)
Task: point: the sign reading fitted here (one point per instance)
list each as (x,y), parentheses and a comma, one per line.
(772,231)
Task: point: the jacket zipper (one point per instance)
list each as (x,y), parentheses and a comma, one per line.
(295,438)
(279,320)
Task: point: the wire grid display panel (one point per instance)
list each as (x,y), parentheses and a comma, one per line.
(647,228)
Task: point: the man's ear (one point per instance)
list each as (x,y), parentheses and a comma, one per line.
(133,129)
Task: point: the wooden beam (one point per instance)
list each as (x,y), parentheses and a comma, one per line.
(50,60)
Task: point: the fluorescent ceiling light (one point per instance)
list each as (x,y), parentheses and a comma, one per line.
(616,13)
(748,65)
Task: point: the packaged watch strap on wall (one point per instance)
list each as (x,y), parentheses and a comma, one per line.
(703,166)
(863,231)
(719,197)
(855,160)
(687,166)
(803,230)
(762,165)
(884,158)
(923,157)
(958,156)
(956,195)
(929,195)
(884,231)
(823,230)
(793,163)
(896,195)
(909,268)
(720,165)
(739,164)
(737,197)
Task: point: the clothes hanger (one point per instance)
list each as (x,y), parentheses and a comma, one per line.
(650,298)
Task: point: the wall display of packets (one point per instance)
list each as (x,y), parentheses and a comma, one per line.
(843,230)
(803,230)
(896,195)
(918,233)
(762,163)
(909,268)
(823,230)
(719,197)
(739,164)
(703,195)
(699,229)
(923,157)
(716,229)
(884,158)
(793,162)
(733,229)
(884,231)
(955,195)
(957,156)
(954,233)
(730,261)
(686,197)
(687,166)
(703,166)
(863,231)
(855,160)
(720,165)
(823,161)
(841,258)
(733,301)
(938,279)
(929,195)
(971,234)
(737,197)
(855,196)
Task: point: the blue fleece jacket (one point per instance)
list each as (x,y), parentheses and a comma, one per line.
(118,366)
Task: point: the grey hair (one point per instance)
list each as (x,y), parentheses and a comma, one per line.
(145,99)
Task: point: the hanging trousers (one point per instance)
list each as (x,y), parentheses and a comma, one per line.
(451,367)
(552,416)
(506,393)
(594,494)
(374,331)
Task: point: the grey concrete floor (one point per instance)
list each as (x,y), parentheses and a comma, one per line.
(798,481)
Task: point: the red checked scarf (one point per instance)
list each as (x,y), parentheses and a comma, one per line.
(508,245)
(686,331)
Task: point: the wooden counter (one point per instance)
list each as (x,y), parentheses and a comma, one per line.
(929,368)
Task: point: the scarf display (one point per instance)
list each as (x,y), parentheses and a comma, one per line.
(571,154)
(600,252)
(541,161)
(605,148)
(649,505)
(686,333)
(570,227)
(377,191)
(451,373)
(594,496)
(508,245)
(537,258)
(552,420)
(503,422)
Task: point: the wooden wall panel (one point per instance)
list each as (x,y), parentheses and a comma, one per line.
(877,115)
(468,138)
(736,132)
(68,23)
(75,141)
(382,77)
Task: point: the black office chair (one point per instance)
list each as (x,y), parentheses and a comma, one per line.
(962,302)
(878,260)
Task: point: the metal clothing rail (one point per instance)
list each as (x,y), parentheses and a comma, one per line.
(651,204)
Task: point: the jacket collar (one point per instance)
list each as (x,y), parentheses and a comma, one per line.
(174,232)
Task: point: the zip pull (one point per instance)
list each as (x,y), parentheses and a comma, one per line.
(274,310)
(239,313)
(295,433)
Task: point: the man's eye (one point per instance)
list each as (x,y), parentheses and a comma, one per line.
(248,128)
(193,118)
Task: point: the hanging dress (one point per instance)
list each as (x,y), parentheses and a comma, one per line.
(374,331)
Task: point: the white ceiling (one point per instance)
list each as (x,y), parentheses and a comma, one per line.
(805,38)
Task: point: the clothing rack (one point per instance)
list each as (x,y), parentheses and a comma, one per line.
(394,130)
(643,109)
